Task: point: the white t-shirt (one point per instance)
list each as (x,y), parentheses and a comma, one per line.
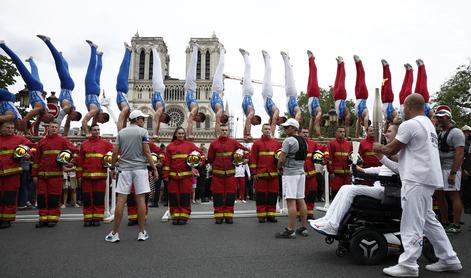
(241,170)
(419,161)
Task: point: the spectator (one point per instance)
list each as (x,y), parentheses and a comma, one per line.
(70,184)
(451,143)
(466,171)
(240,172)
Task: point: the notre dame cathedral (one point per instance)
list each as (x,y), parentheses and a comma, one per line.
(140,83)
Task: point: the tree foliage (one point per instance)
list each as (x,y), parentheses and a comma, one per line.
(456,93)
(7,72)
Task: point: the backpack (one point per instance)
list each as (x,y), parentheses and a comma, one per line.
(442,142)
(301,154)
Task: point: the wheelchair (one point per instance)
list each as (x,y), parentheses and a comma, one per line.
(370,229)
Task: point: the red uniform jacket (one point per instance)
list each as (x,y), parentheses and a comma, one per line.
(48,148)
(8,144)
(309,167)
(90,160)
(174,162)
(262,157)
(220,155)
(338,158)
(367,154)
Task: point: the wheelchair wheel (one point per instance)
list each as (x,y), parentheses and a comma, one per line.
(428,252)
(368,247)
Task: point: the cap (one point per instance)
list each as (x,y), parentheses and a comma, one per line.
(136,114)
(291,122)
(466,128)
(442,113)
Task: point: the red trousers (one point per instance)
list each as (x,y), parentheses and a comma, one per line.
(9,186)
(179,195)
(339,181)
(266,194)
(93,199)
(224,191)
(132,206)
(310,192)
(240,181)
(48,196)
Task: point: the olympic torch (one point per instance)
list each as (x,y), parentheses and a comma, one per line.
(377,116)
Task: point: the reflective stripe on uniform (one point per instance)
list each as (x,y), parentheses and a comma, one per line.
(271,214)
(312,172)
(85,216)
(269,174)
(223,172)
(52,217)
(179,156)
(7,152)
(228,214)
(309,155)
(340,153)
(11,170)
(261,214)
(174,174)
(94,155)
(101,215)
(370,153)
(96,174)
(42,218)
(166,168)
(342,171)
(266,153)
(52,152)
(253,165)
(47,174)
(224,154)
(218,215)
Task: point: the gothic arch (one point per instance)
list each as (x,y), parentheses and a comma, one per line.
(142,62)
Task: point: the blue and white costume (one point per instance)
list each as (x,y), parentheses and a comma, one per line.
(313,103)
(388,110)
(218,86)
(157,81)
(190,81)
(7,100)
(122,80)
(290,86)
(340,108)
(246,103)
(92,80)
(427,109)
(360,107)
(267,89)
(34,86)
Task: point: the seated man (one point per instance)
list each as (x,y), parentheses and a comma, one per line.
(67,86)
(387,97)
(190,92)
(158,103)
(216,101)
(340,95)
(92,90)
(329,224)
(361,94)
(290,90)
(35,87)
(313,93)
(247,104)
(267,93)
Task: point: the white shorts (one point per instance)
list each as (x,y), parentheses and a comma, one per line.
(448,187)
(138,178)
(293,186)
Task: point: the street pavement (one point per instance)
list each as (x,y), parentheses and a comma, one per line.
(198,249)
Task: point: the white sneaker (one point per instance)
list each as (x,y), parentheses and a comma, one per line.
(400,271)
(441,266)
(142,236)
(112,237)
(244,201)
(324,228)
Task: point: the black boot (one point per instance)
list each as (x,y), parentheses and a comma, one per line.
(272,219)
(96,223)
(132,223)
(218,221)
(51,224)
(41,224)
(175,222)
(87,223)
(261,220)
(229,221)
(5,224)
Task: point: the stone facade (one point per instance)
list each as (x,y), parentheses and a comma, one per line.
(140,83)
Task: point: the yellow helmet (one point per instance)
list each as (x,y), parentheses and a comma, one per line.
(318,157)
(21,151)
(64,157)
(193,159)
(277,154)
(239,158)
(155,158)
(107,159)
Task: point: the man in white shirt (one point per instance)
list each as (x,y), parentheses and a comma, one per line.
(240,171)
(420,171)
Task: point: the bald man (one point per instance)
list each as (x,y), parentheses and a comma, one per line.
(420,171)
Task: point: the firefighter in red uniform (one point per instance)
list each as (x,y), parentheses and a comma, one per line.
(223,184)
(93,176)
(265,174)
(179,175)
(366,150)
(310,191)
(131,202)
(339,170)
(47,175)
(10,171)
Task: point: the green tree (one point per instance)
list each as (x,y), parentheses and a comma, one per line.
(7,72)
(455,93)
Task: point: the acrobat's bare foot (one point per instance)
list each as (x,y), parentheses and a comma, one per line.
(99,53)
(29,59)
(265,54)
(243,52)
(339,59)
(384,62)
(408,66)
(356,58)
(419,62)
(284,54)
(309,53)
(91,44)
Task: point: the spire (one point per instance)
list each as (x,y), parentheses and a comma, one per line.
(214,35)
(137,34)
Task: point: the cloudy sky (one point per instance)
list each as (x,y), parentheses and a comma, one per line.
(398,31)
